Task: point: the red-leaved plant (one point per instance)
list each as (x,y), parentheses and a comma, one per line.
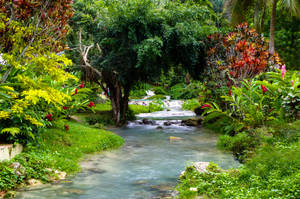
(238,55)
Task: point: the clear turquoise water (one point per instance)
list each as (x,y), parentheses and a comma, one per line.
(146,167)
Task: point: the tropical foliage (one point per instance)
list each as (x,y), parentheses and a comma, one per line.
(136,40)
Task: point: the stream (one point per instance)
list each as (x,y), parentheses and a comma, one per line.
(147,166)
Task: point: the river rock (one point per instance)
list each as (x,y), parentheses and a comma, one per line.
(159,127)
(147,121)
(173,138)
(201,167)
(61,175)
(192,122)
(167,123)
(34,182)
(162,187)
(140,182)
(96,170)
(74,191)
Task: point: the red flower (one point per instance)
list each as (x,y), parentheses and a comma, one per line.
(228,84)
(49,117)
(76,90)
(91,104)
(67,127)
(81,85)
(205,106)
(263,88)
(65,108)
(229,92)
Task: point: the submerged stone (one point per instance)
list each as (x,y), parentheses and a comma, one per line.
(140,182)
(173,138)
(159,127)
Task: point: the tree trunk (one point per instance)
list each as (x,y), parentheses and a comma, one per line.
(272,28)
(119,102)
(256,15)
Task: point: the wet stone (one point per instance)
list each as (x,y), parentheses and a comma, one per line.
(140,182)
(96,170)
(159,127)
(168,123)
(148,122)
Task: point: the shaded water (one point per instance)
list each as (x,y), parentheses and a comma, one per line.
(147,166)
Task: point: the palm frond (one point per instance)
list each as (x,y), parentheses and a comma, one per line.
(292,5)
(236,10)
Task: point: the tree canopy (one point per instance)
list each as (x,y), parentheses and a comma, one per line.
(135,40)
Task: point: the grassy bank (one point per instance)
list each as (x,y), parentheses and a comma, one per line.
(56,149)
(272,171)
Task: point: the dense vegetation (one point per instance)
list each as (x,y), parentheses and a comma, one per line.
(69,69)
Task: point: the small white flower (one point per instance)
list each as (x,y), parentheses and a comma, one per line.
(193,189)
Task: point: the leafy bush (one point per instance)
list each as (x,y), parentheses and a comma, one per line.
(137,94)
(221,122)
(183,91)
(239,144)
(35,87)
(190,104)
(236,56)
(159,91)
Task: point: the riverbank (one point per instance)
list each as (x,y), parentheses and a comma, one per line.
(54,154)
(271,169)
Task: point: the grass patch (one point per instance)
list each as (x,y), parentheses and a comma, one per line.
(56,149)
(103,109)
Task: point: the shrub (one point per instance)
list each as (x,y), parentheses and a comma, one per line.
(239,144)
(236,56)
(190,104)
(137,94)
(159,91)
(190,91)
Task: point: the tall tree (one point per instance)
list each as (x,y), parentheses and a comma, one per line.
(134,40)
(237,10)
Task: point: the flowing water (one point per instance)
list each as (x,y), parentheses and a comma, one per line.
(147,166)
